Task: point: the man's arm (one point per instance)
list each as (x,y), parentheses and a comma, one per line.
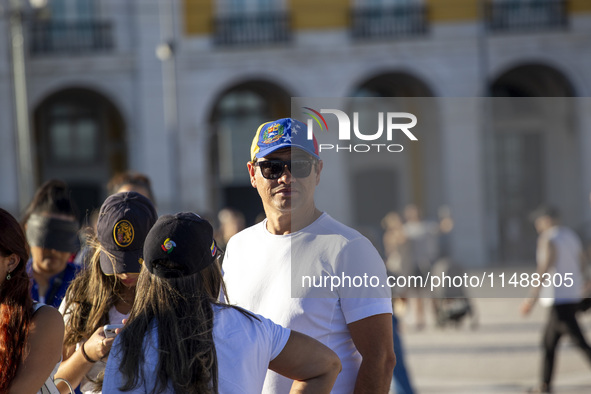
(584,261)
(374,339)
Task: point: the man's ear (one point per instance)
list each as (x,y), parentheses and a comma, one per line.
(251,171)
(319,166)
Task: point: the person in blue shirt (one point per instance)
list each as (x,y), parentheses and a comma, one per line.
(52,232)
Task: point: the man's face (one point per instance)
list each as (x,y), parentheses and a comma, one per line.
(542,224)
(287,193)
(49,261)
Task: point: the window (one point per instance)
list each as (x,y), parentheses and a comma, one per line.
(248,22)
(388,18)
(513,15)
(70,26)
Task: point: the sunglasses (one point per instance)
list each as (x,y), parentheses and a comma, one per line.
(274,169)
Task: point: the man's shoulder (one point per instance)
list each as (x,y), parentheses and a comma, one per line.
(327,225)
(245,234)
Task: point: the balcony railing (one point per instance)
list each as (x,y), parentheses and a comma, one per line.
(526,15)
(255,29)
(52,37)
(398,21)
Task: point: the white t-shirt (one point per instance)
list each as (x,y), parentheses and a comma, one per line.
(568,253)
(115,317)
(259,276)
(244,348)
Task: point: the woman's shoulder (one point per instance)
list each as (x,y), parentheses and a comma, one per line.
(48,318)
(232,320)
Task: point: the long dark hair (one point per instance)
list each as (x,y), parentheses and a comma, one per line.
(53,197)
(88,300)
(16,303)
(182,309)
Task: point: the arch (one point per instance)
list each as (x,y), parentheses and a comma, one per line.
(234,116)
(79,137)
(531,123)
(266,80)
(412,176)
(59,86)
(395,83)
(532,79)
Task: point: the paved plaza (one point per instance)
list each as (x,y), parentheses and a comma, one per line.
(503,355)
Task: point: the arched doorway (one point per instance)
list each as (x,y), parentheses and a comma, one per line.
(235,118)
(412,176)
(80,138)
(532,155)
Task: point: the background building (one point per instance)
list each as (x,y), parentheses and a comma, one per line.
(176,89)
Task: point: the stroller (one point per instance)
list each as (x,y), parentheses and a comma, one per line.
(451,305)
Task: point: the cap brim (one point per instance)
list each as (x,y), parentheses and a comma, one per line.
(264,152)
(127,262)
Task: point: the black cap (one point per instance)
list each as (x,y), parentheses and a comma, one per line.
(544,210)
(179,245)
(123,223)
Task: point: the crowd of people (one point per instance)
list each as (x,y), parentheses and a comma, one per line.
(199,325)
(137,303)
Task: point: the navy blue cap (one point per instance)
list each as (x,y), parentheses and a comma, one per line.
(123,223)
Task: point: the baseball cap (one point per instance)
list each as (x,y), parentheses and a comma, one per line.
(282,133)
(123,223)
(179,245)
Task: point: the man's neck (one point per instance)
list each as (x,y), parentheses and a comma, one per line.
(283,223)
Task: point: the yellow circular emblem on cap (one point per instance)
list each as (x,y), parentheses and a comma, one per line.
(123,233)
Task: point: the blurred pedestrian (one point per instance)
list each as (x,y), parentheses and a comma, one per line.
(231,222)
(355,322)
(51,226)
(105,291)
(422,238)
(180,339)
(559,253)
(30,334)
(131,181)
(396,247)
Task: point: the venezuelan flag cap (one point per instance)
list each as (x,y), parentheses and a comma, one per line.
(279,134)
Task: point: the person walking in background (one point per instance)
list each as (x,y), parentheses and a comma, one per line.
(105,291)
(30,334)
(422,243)
(559,252)
(131,181)
(179,338)
(356,323)
(396,247)
(51,226)
(231,223)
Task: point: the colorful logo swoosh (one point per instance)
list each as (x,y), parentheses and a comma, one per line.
(316,115)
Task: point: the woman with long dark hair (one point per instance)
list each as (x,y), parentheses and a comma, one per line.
(180,339)
(105,291)
(30,335)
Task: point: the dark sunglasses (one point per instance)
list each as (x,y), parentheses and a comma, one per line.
(273,169)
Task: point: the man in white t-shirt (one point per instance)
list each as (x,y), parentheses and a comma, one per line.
(287,267)
(563,275)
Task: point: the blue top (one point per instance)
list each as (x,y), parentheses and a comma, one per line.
(58,284)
